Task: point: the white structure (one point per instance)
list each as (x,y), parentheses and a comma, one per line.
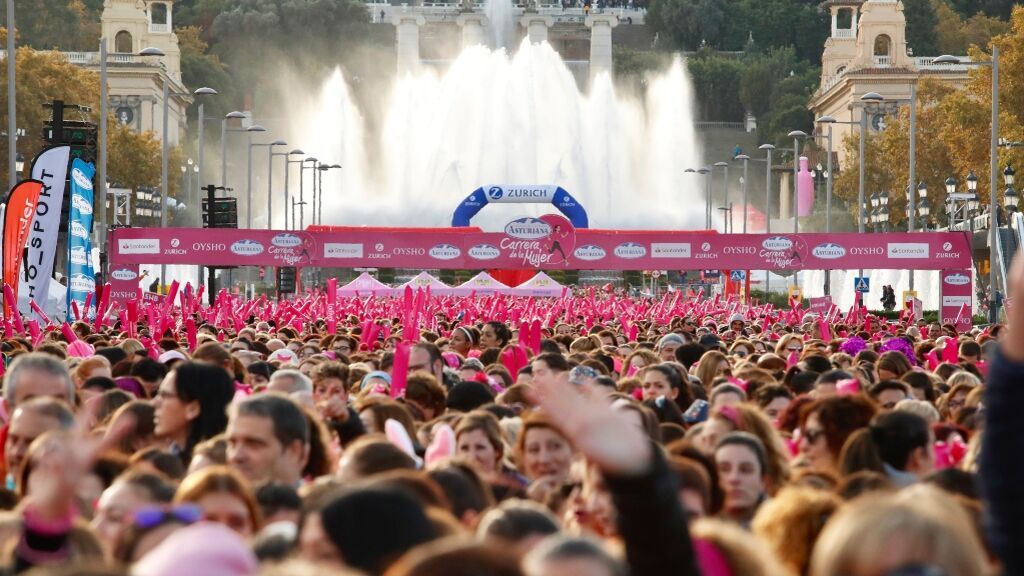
(407,34)
(867,51)
(601,42)
(136,83)
(537,26)
(473,26)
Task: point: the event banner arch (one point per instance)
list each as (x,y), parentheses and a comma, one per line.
(503,194)
(531,245)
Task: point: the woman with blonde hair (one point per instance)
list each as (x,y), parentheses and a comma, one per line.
(790,524)
(788,344)
(638,360)
(712,365)
(887,534)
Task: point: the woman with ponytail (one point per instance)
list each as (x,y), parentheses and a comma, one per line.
(898,444)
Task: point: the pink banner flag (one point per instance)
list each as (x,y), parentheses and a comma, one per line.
(332,305)
(400,370)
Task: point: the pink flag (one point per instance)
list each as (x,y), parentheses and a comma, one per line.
(793,359)
(951,351)
(332,305)
(39,311)
(400,370)
(190,334)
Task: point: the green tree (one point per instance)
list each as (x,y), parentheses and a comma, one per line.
(45,76)
(921,23)
(716,80)
(60,24)
(692,24)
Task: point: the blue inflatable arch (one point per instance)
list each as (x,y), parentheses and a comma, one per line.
(497,194)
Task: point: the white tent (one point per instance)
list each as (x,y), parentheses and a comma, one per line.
(482,284)
(366,285)
(424,280)
(540,285)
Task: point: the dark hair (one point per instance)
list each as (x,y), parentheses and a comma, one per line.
(148,369)
(264,369)
(884,385)
(666,411)
(769,392)
(465,489)
(921,381)
(817,363)
(555,362)
(516,520)
(688,354)
(501,331)
(833,377)
(99,383)
(289,421)
(956,481)
(751,442)
(889,440)
(372,455)
(373,526)
(685,396)
(213,389)
(274,498)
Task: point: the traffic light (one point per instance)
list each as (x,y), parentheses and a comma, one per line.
(80,135)
(285,280)
(219,212)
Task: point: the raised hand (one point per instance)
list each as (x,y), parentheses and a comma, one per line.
(606,437)
(1013,344)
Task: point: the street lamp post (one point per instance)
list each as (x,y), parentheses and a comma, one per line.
(235,115)
(1010,197)
(725,186)
(993,312)
(287,165)
(302,198)
(768,148)
(320,207)
(164,154)
(270,180)
(248,185)
(746,200)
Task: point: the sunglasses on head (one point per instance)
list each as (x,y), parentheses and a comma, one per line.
(146,517)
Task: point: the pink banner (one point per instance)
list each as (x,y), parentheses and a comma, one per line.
(332,305)
(594,249)
(820,305)
(957,287)
(124,284)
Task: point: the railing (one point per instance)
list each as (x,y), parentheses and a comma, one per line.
(844,33)
(159,28)
(925,63)
(883,61)
(380,12)
(713,125)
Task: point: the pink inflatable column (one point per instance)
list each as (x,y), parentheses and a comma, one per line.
(805,189)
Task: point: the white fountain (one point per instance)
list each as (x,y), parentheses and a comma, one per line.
(495,119)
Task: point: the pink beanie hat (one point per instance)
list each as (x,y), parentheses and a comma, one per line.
(205,548)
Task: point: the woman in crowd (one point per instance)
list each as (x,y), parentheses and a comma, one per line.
(701,462)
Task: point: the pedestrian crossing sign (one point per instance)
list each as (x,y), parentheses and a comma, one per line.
(862,284)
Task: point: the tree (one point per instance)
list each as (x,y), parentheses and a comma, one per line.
(691,24)
(921,24)
(45,76)
(953,35)
(60,24)
(952,134)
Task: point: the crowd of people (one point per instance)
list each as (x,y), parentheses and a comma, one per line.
(726,440)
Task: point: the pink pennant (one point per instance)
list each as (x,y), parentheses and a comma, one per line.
(400,370)
(793,359)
